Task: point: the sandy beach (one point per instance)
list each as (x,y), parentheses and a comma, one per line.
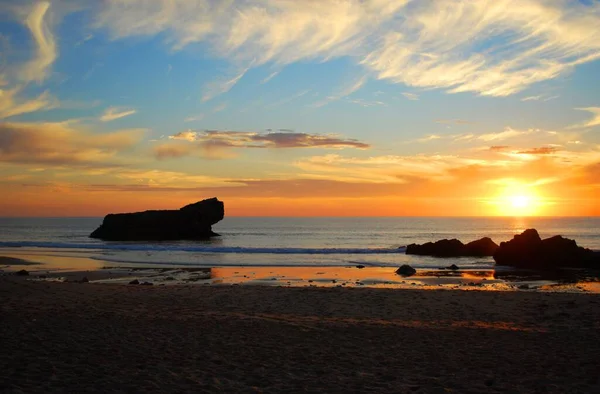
(90,337)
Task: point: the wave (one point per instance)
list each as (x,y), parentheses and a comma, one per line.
(199,249)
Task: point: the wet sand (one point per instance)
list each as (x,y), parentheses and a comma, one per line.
(90,337)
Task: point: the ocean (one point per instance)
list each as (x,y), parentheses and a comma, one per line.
(289,241)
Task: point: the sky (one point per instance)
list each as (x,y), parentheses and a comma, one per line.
(301,108)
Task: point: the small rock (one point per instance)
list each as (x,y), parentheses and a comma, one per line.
(406,270)
(360,266)
(147,283)
(524,287)
(22,273)
(334,281)
(453,267)
(134,282)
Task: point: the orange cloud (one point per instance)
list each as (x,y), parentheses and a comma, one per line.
(61,143)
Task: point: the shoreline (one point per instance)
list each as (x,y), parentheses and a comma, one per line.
(81,269)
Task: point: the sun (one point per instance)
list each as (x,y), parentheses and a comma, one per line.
(517,200)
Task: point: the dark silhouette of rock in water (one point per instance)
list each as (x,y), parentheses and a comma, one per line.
(454,248)
(194,221)
(406,270)
(480,248)
(528,250)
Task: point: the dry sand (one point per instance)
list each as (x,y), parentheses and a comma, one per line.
(71,337)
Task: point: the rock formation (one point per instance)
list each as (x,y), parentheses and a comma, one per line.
(528,250)
(193,221)
(406,270)
(454,248)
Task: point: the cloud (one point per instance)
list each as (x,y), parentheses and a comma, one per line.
(429,138)
(594,121)
(219,108)
(288,99)
(213,143)
(488,47)
(38,68)
(366,103)
(61,143)
(493,48)
(545,150)
(551,98)
(502,135)
(391,168)
(194,118)
(453,121)
(411,96)
(222,85)
(12,105)
(113,113)
(281,32)
(269,77)
(343,92)
(538,98)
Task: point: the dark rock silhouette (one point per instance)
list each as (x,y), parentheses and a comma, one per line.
(454,248)
(134,282)
(528,250)
(22,273)
(193,221)
(453,267)
(406,270)
(481,247)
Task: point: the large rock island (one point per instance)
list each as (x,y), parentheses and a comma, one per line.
(194,221)
(528,250)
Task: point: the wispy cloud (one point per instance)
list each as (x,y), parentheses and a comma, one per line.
(220,107)
(222,85)
(540,98)
(453,121)
(289,99)
(269,77)
(594,121)
(490,48)
(366,103)
(210,141)
(507,133)
(411,96)
(345,91)
(194,118)
(531,98)
(429,138)
(11,104)
(113,113)
(38,68)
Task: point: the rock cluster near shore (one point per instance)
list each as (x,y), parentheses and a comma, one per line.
(193,221)
(525,250)
(454,248)
(529,250)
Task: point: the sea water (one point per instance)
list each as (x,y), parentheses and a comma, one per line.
(287,241)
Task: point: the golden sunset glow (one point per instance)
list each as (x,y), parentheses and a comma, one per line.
(302,108)
(518,199)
